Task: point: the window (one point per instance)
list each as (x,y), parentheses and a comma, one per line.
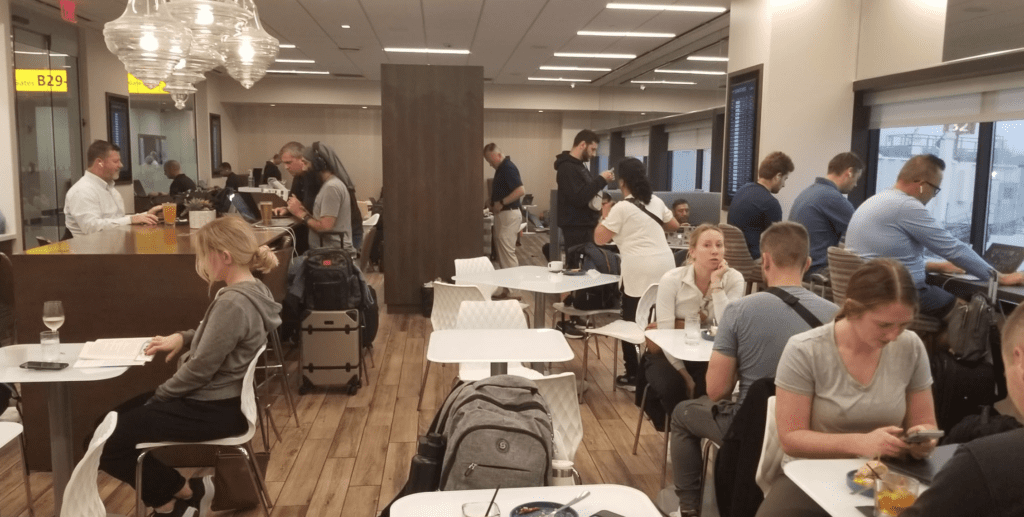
(957,145)
(684,170)
(216,154)
(118,131)
(1005,222)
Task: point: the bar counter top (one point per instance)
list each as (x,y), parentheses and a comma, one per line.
(139,240)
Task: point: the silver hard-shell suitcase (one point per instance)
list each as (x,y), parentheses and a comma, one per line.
(331,352)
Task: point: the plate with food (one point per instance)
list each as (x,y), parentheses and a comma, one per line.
(539,508)
(862,480)
(574,272)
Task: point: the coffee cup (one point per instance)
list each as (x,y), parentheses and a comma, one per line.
(266,212)
(555,266)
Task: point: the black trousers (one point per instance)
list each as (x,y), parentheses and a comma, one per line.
(179,420)
(629,356)
(573,235)
(667,386)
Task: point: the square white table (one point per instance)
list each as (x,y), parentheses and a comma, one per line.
(539,281)
(825,482)
(673,343)
(58,400)
(623,500)
(498,347)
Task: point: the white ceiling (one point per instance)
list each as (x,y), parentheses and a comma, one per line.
(511,39)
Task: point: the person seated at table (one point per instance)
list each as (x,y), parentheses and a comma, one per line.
(92,203)
(202,400)
(704,286)
(746,349)
(854,387)
(638,227)
(681,211)
(985,476)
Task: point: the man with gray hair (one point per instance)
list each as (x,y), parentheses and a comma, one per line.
(329,221)
(506,190)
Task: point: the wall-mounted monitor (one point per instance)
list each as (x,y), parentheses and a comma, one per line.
(742,120)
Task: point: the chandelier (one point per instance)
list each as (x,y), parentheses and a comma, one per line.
(178,41)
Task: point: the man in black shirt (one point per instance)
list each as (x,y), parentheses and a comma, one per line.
(577,187)
(180,183)
(270,169)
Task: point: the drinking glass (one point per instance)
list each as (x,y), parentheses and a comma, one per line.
(49,341)
(692,329)
(894,493)
(53,314)
(479,509)
(170,213)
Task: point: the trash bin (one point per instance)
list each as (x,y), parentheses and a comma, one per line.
(427,298)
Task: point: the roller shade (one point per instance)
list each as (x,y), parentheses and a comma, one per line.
(692,135)
(637,142)
(985,99)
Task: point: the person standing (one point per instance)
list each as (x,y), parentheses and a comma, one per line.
(92,204)
(330,222)
(506,190)
(754,208)
(824,210)
(577,188)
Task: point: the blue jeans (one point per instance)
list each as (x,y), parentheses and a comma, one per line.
(935,301)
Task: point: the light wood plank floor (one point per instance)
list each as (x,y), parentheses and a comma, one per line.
(349,455)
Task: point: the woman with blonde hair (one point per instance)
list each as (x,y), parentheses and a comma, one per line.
(202,401)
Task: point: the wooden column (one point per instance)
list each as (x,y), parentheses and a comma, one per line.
(658,163)
(432,134)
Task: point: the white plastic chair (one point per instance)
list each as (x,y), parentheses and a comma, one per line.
(240,443)
(371,221)
(484,265)
(560,393)
(447,300)
(770,465)
(11,431)
(628,331)
(82,495)
(503,314)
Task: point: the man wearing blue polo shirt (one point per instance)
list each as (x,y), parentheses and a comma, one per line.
(505,193)
(754,208)
(824,210)
(896,224)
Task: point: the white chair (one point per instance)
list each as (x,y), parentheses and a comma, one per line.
(484,265)
(11,431)
(447,300)
(770,465)
(82,495)
(559,391)
(371,221)
(628,331)
(240,443)
(503,314)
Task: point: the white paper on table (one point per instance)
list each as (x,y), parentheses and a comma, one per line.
(121,349)
(105,363)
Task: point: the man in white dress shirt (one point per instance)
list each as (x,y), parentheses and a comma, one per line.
(92,203)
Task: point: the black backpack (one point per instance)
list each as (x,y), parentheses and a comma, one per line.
(589,256)
(333,282)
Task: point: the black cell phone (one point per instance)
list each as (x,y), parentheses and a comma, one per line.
(40,365)
(606,513)
(924,436)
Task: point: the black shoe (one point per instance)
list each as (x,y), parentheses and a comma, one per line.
(626,382)
(569,330)
(202,495)
(181,509)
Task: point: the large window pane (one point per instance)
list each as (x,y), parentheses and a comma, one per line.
(958,147)
(684,170)
(1006,187)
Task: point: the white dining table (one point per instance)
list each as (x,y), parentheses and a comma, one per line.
(825,482)
(498,347)
(539,281)
(623,500)
(58,400)
(673,343)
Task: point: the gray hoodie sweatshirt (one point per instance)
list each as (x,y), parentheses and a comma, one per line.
(234,328)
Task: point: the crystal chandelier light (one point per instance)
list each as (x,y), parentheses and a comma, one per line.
(216,33)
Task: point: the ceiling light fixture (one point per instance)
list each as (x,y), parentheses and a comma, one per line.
(680,8)
(562,79)
(696,72)
(662,82)
(294,61)
(576,68)
(428,50)
(346,26)
(287,45)
(707,58)
(627,34)
(308,72)
(598,56)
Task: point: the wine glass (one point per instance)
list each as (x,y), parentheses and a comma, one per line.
(53,314)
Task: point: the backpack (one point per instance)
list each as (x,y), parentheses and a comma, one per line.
(498,432)
(970,329)
(333,282)
(589,256)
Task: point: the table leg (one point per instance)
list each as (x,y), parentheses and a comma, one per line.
(538,310)
(58,400)
(499,368)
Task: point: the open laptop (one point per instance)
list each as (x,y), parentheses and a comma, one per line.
(528,200)
(140,191)
(1004,258)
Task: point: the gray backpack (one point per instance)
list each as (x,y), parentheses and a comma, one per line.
(499,433)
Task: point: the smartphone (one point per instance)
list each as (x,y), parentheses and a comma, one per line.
(39,365)
(924,436)
(606,513)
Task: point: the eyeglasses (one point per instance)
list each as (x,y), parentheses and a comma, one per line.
(934,186)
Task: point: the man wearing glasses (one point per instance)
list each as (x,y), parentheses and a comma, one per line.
(896,224)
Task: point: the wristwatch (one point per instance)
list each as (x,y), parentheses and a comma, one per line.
(306,217)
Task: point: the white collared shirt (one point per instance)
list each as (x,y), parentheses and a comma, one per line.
(92,205)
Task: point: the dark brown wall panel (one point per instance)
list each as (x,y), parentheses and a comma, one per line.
(432,133)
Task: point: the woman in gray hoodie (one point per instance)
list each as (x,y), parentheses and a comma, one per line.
(202,400)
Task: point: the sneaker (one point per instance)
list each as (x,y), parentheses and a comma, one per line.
(626,382)
(202,495)
(570,330)
(182,508)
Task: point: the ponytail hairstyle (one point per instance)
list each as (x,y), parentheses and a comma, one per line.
(879,282)
(634,175)
(231,235)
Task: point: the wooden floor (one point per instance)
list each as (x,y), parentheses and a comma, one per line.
(349,455)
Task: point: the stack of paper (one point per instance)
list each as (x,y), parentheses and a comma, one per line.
(114,352)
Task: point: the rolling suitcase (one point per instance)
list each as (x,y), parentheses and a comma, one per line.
(331,351)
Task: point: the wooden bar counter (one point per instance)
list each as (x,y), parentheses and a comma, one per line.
(130,281)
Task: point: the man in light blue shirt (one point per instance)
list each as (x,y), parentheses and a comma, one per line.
(823,209)
(896,224)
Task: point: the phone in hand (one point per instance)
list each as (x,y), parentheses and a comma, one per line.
(924,436)
(40,365)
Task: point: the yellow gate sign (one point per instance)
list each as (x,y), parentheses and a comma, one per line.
(135,86)
(40,80)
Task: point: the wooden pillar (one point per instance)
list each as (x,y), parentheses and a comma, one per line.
(432,136)
(616,149)
(658,163)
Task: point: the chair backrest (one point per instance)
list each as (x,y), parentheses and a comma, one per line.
(372,220)
(647,302)
(841,265)
(770,465)
(737,254)
(559,391)
(249,408)
(8,329)
(364,253)
(447,299)
(82,495)
(503,314)
(364,208)
(476,265)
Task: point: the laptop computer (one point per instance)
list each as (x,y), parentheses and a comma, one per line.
(140,191)
(926,469)
(528,199)
(1004,258)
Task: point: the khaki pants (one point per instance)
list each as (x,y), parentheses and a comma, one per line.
(506,229)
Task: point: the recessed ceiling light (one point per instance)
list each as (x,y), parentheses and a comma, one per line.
(364,107)
(643,113)
(294,61)
(286,45)
(558,79)
(576,68)
(428,50)
(696,72)
(662,82)
(707,58)
(540,111)
(346,26)
(272,105)
(599,56)
(682,8)
(627,34)
(309,72)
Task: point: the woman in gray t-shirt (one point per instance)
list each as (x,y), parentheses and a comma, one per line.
(854,387)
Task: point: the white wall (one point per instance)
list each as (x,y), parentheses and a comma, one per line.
(900,35)
(532,140)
